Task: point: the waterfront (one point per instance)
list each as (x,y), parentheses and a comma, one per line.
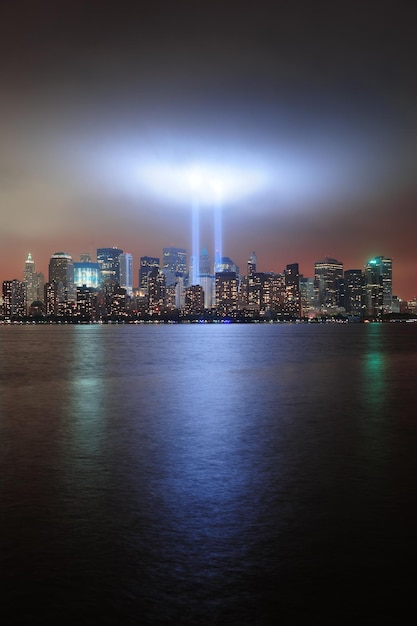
(210,474)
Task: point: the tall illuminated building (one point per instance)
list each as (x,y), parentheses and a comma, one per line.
(14,298)
(227,265)
(194,300)
(292,290)
(378,286)
(354,292)
(87,274)
(147,264)
(251,287)
(306,295)
(174,264)
(61,272)
(327,273)
(126,272)
(40,282)
(156,288)
(30,279)
(108,260)
(226,292)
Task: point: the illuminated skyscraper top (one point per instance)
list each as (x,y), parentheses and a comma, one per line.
(327,273)
(61,272)
(252,264)
(378,279)
(31,281)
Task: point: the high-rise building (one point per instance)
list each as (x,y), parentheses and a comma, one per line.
(306,295)
(14,298)
(87,274)
(126,272)
(354,292)
(292,290)
(147,263)
(326,274)
(278,292)
(108,260)
(174,264)
(252,289)
(31,281)
(205,262)
(208,285)
(40,283)
(226,292)
(61,272)
(156,291)
(378,286)
(252,264)
(194,300)
(226,265)
(259,291)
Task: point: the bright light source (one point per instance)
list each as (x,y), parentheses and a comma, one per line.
(206,181)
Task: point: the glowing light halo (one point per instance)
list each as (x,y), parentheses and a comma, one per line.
(207,182)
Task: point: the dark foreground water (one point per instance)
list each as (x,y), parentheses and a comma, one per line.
(208,474)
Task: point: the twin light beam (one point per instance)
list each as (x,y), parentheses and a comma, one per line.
(205,184)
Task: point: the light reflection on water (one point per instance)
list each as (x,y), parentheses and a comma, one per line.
(206,474)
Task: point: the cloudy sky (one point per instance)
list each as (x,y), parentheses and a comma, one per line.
(305,112)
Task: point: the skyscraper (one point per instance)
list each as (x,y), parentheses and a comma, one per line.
(14,298)
(174,264)
(292,290)
(147,263)
(108,260)
(226,292)
(31,281)
(252,291)
(378,286)
(354,292)
(226,265)
(252,264)
(194,300)
(87,274)
(326,274)
(306,295)
(205,262)
(156,291)
(125,272)
(61,272)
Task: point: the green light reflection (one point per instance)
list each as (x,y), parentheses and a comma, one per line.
(374,369)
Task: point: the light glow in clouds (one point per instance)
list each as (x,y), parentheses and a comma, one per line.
(206,181)
(203,184)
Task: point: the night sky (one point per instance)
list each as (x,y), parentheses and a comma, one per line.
(314,103)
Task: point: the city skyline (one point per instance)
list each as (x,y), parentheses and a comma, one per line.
(159,262)
(306,114)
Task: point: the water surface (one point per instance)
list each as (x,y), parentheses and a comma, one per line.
(208,474)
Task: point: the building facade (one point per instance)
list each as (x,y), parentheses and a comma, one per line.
(174,264)
(108,261)
(147,263)
(378,286)
(327,273)
(14,298)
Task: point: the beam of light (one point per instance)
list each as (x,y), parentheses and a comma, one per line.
(218,233)
(195,244)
